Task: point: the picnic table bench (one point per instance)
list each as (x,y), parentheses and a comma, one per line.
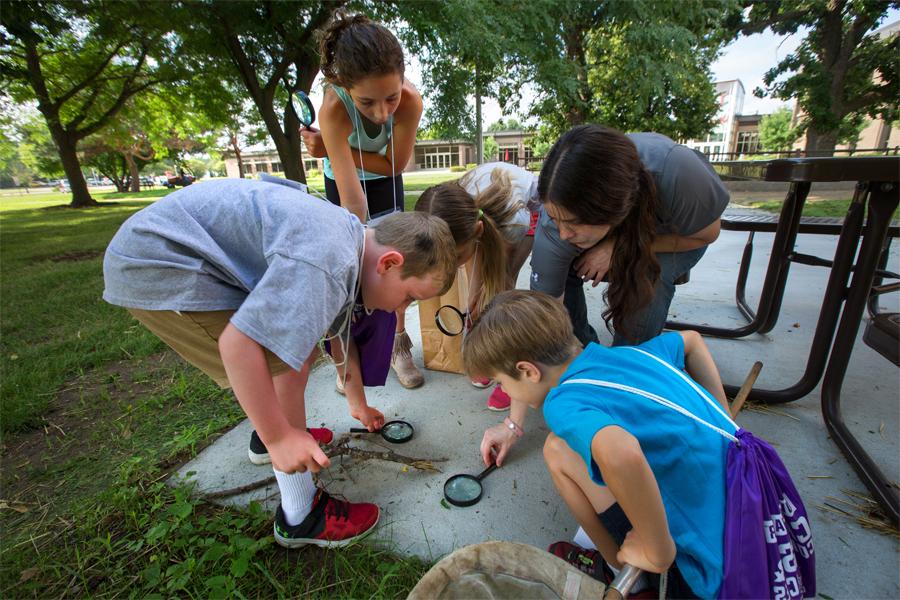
(861,252)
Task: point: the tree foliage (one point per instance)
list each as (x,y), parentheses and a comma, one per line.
(841,71)
(776,134)
(638,65)
(268,49)
(81,61)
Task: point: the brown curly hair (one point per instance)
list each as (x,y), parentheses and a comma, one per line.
(354,47)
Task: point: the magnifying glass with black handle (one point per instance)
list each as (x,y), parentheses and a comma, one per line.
(450,320)
(395,432)
(465,489)
(303,108)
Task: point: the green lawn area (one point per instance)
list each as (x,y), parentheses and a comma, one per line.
(95,415)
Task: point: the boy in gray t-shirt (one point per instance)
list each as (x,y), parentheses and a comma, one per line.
(243,278)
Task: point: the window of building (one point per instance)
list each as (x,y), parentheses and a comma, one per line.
(276,167)
(747,142)
(508,154)
(248,169)
(310,163)
(261,167)
(442,156)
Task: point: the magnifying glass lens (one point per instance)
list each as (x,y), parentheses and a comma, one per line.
(303,108)
(450,320)
(463,489)
(396,431)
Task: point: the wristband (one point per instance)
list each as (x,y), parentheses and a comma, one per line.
(512,426)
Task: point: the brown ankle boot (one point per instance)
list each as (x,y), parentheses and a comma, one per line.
(401,361)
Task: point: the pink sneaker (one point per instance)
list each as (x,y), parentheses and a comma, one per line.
(482,383)
(498,400)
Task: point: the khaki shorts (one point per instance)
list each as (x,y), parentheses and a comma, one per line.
(195,337)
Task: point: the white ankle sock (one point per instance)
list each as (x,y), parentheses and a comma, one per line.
(298,490)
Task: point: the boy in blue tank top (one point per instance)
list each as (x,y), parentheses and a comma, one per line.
(644,481)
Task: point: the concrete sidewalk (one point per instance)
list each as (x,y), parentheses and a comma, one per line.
(520,503)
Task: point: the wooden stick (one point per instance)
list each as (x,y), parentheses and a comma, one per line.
(340,447)
(742,394)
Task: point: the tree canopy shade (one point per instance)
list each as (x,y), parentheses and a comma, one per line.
(267,48)
(840,72)
(81,61)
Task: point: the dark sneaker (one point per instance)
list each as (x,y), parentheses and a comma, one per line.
(331,524)
(586,561)
(259,455)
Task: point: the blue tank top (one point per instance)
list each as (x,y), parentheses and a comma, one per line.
(359,139)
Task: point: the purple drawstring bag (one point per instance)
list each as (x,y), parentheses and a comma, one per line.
(768,542)
(768,551)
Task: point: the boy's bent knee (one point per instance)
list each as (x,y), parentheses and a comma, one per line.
(554,447)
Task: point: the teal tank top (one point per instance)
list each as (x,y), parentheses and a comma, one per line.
(359,138)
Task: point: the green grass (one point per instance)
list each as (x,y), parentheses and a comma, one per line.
(812,208)
(95,415)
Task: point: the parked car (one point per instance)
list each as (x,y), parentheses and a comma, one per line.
(147,181)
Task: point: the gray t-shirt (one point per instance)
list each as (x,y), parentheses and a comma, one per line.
(691,197)
(285,261)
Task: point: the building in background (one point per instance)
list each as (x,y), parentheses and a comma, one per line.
(723,138)
(428,155)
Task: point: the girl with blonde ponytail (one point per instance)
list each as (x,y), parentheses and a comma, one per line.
(489,211)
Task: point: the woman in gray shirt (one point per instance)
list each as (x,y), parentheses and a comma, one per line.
(638,209)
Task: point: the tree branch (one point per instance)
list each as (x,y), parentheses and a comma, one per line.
(91,76)
(341,447)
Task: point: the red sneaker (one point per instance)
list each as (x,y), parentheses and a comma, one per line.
(482,383)
(498,400)
(586,561)
(259,454)
(331,524)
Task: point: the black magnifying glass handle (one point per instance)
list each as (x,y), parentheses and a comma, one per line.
(363,430)
(486,472)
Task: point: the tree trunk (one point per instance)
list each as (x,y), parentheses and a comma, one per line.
(133,172)
(820,144)
(237,155)
(479,136)
(68,155)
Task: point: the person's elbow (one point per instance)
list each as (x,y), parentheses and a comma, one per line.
(710,233)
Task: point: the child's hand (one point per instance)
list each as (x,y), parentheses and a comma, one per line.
(371,418)
(497,440)
(313,140)
(632,552)
(297,452)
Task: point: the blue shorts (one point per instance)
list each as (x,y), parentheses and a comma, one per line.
(617,524)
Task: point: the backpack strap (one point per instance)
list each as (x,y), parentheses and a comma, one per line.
(703,394)
(655,398)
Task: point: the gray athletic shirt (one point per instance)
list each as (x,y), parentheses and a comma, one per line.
(285,261)
(691,197)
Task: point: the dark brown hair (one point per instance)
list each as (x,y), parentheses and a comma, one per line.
(595,173)
(353,47)
(451,202)
(519,325)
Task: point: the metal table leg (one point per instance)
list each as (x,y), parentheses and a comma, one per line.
(883,201)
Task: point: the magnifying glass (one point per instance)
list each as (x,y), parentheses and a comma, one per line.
(464,489)
(450,320)
(395,432)
(303,108)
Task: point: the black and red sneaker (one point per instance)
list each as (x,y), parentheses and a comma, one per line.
(331,524)
(259,454)
(585,560)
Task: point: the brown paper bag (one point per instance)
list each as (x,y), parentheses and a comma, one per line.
(443,352)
